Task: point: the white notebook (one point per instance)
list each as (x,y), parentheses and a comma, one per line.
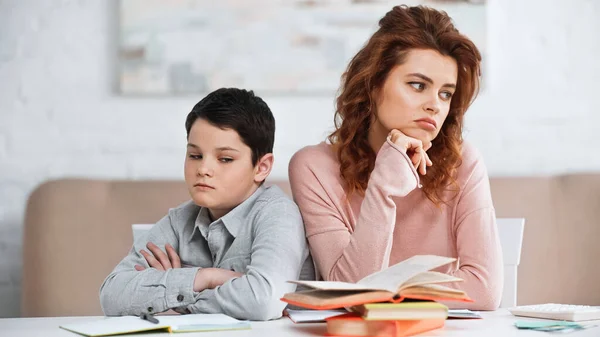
(109,326)
(312,316)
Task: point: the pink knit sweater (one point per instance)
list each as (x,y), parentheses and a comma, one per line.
(394,221)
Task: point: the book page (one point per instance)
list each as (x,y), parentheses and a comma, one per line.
(335,299)
(312,316)
(132,324)
(439,287)
(197,319)
(429,277)
(463,313)
(434,290)
(203,322)
(392,278)
(113,325)
(333,285)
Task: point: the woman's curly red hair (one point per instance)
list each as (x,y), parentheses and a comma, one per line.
(400,30)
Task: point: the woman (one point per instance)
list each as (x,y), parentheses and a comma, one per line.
(397,180)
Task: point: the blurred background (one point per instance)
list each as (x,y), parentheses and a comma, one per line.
(85,92)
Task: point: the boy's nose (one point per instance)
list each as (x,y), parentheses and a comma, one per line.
(204,170)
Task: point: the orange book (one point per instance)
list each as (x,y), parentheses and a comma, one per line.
(354,325)
(409,279)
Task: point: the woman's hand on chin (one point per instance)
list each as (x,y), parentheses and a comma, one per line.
(414,148)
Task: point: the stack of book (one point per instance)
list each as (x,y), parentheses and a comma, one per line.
(389,319)
(398,301)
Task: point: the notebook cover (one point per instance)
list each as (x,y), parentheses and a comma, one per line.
(382,298)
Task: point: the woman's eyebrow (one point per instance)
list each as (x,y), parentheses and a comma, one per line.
(429,80)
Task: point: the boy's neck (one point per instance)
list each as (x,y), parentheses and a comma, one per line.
(215,214)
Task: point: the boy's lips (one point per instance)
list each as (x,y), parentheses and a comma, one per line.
(203,186)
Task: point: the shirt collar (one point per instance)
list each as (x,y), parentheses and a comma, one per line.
(234,220)
(202,222)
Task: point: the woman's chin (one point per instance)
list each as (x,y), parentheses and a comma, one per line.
(420,134)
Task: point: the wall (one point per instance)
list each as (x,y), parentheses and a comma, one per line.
(60,116)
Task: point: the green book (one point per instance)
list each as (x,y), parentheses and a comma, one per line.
(110,326)
(402,311)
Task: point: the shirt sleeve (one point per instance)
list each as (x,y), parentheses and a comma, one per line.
(278,252)
(478,244)
(343,253)
(127,291)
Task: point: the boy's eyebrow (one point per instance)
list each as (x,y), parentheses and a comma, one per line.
(430,81)
(222,148)
(227,148)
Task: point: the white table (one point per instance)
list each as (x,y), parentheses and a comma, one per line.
(497,323)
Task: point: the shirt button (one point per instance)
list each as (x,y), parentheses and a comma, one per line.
(150,309)
(180,298)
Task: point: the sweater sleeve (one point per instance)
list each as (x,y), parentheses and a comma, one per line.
(341,252)
(477,242)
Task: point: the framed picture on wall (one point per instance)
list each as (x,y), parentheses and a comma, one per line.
(272,46)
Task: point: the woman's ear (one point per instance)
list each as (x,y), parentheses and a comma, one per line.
(263,168)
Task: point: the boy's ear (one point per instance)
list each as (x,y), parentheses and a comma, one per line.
(263,168)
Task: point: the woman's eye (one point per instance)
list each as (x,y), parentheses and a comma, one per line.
(417,85)
(446,95)
(195,156)
(226,160)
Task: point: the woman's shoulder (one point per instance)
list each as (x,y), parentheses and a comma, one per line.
(319,157)
(471,163)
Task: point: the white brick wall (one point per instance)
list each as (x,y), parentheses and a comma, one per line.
(59,115)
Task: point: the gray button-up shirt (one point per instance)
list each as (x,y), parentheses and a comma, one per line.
(263,238)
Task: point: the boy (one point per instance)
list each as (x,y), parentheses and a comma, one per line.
(230,249)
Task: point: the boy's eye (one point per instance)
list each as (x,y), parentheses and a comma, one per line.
(195,156)
(417,85)
(226,160)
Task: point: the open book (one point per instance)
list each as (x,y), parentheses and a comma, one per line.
(109,326)
(411,278)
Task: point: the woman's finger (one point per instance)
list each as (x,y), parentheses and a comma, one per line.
(394,135)
(152,262)
(173,257)
(423,163)
(160,255)
(415,157)
(414,144)
(139,268)
(429,162)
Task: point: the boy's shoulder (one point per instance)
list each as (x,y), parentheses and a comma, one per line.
(274,202)
(185,212)
(273,195)
(273,208)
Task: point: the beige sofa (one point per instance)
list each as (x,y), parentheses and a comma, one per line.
(76,231)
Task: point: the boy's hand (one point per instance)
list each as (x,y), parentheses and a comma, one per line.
(210,278)
(414,148)
(158,259)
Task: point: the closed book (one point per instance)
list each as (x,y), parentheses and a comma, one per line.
(402,311)
(352,324)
